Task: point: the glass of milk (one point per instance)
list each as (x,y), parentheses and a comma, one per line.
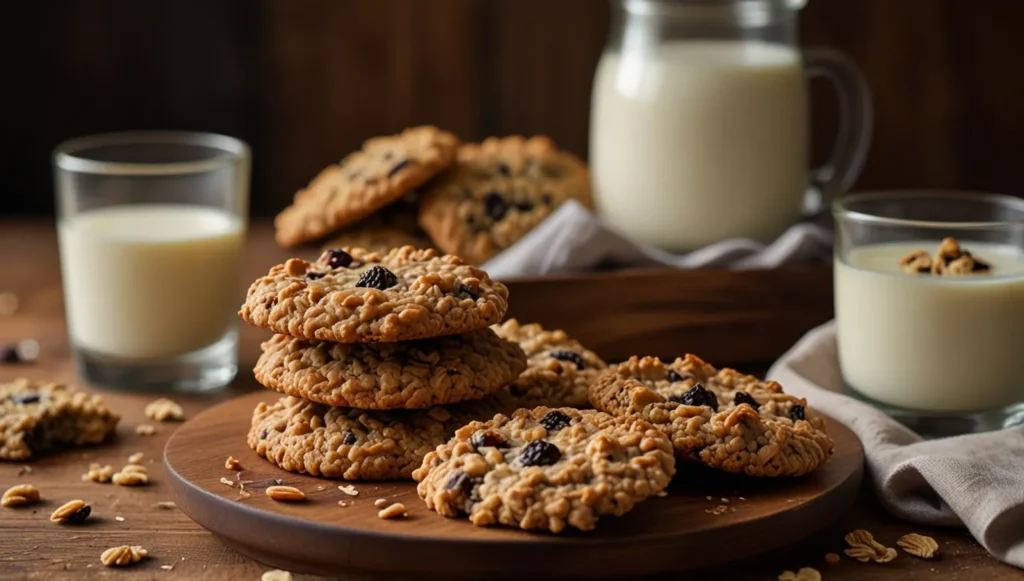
(700,122)
(944,354)
(151,228)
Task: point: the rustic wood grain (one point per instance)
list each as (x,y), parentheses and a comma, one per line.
(305,82)
(765,513)
(35,548)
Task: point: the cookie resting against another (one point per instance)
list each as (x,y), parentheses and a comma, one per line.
(36,418)
(546,469)
(721,418)
(559,369)
(384,170)
(391,227)
(497,191)
(409,374)
(353,295)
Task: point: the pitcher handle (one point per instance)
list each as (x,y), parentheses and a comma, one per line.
(836,176)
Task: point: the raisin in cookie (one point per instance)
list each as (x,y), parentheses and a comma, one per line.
(546,469)
(354,295)
(559,369)
(497,191)
(722,418)
(384,170)
(36,418)
(406,375)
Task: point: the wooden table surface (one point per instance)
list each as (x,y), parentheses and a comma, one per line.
(33,548)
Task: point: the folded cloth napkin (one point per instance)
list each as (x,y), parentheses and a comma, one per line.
(976,480)
(573,239)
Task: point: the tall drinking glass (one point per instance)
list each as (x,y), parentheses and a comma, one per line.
(151,227)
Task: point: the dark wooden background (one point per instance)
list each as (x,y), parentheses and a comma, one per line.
(305,81)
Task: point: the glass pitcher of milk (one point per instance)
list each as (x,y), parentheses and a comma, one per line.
(700,122)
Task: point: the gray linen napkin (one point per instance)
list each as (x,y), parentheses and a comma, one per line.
(976,480)
(573,240)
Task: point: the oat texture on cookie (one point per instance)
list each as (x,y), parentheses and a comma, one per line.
(497,191)
(546,469)
(411,374)
(353,295)
(382,172)
(721,418)
(559,369)
(40,417)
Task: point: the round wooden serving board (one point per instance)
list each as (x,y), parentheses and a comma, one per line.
(662,534)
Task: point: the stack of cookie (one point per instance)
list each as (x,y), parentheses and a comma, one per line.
(477,199)
(382,357)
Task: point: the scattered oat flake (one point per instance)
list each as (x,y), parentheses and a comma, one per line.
(71,512)
(285,493)
(710,498)
(232,464)
(164,409)
(662,494)
(167,567)
(227,482)
(135,458)
(725,501)
(831,558)
(919,545)
(131,475)
(166,505)
(119,518)
(381,502)
(123,556)
(349,490)
(732,509)
(804,574)
(396,510)
(20,495)
(741,498)
(145,430)
(276,575)
(97,473)
(26,469)
(343,504)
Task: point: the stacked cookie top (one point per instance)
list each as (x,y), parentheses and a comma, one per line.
(403,330)
(477,199)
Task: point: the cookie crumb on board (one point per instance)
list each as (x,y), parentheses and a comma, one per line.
(167,567)
(232,464)
(164,409)
(804,574)
(381,502)
(919,545)
(165,505)
(831,558)
(123,556)
(98,473)
(72,512)
(227,482)
(145,430)
(396,510)
(276,575)
(285,493)
(131,475)
(343,503)
(349,490)
(135,458)
(20,495)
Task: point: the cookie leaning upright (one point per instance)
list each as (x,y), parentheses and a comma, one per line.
(497,191)
(356,296)
(721,418)
(546,469)
(559,368)
(384,170)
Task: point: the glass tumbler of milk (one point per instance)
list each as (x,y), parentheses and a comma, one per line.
(699,122)
(151,227)
(944,354)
